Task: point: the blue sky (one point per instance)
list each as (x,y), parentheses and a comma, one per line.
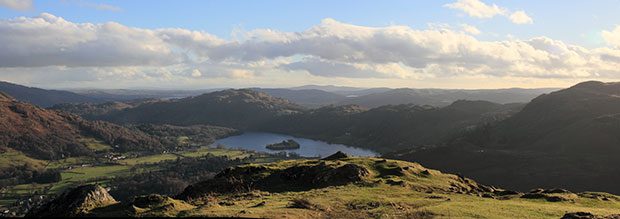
(578,23)
(573,21)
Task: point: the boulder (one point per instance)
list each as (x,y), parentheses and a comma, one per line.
(75,202)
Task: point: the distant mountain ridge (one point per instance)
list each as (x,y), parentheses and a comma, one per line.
(568,138)
(241,108)
(390,127)
(42,97)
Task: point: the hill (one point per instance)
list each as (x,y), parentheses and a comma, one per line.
(311,98)
(96,111)
(443,97)
(49,134)
(42,97)
(567,138)
(354,188)
(123,95)
(242,109)
(391,127)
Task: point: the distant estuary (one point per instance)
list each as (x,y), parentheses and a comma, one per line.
(256,141)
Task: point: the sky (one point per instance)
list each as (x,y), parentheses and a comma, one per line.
(213,44)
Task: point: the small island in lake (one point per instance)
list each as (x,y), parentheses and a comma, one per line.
(284,145)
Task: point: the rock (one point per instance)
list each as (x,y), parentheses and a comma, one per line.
(260,204)
(75,202)
(578,215)
(293,178)
(505,192)
(148,201)
(556,191)
(536,190)
(336,156)
(588,215)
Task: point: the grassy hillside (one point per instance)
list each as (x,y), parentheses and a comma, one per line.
(377,188)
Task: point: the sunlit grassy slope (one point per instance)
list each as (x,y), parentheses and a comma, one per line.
(390,189)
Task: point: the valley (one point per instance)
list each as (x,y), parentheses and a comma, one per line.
(123,146)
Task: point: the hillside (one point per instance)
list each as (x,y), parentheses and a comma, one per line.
(311,98)
(96,111)
(242,109)
(567,138)
(442,97)
(391,127)
(42,97)
(48,134)
(343,187)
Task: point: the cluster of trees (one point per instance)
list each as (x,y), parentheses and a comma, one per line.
(168,180)
(22,174)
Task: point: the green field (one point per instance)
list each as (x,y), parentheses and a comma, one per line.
(73,173)
(12,158)
(95,145)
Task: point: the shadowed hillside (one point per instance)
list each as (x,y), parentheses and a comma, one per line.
(567,138)
(42,97)
(230,108)
(49,134)
(392,127)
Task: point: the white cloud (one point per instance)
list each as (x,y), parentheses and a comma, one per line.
(520,17)
(196,73)
(476,8)
(16,4)
(479,9)
(612,37)
(51,46)
(470,29)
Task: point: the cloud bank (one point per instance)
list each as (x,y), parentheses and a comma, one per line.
(331,49)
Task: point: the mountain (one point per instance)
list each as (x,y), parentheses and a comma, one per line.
(443,97)
(137,94)
(95,111)
(344,187)
(42,97)
(342,90)
(49,134)
(310,98)
(391,127)
(567,138)
(243,108)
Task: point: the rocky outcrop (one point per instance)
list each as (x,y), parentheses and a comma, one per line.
(299,177)
(336,156)
(587,215)
(75,202)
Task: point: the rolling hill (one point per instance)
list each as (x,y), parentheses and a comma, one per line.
(42,97)
(241,109)
(567,138)
(49,134)
(338,187)
(310,98)
(442,97)
(391,127)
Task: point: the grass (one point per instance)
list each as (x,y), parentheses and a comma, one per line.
(71,161)
(95,145)
(149,159)
(397,202)
(230,153)
(380,200)
(13,158)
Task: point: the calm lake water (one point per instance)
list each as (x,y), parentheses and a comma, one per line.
(256,141)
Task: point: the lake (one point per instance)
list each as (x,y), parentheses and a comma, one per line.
(256,141)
